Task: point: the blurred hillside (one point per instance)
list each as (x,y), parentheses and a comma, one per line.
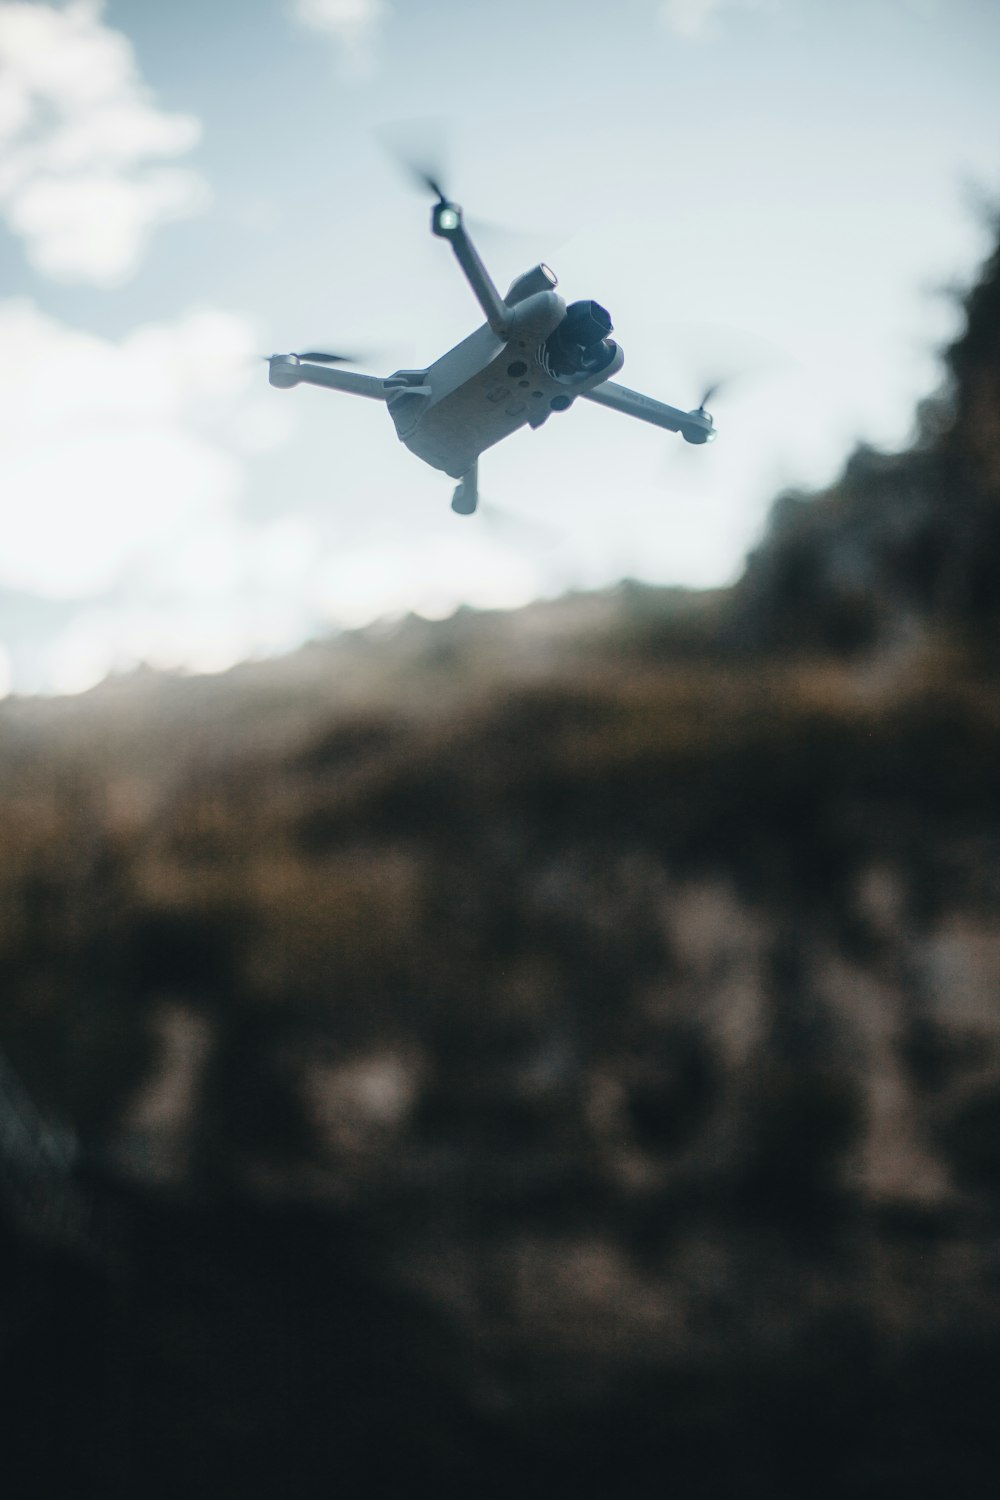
(904,545)
(536,1053)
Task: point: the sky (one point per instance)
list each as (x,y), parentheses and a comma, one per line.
(777,192)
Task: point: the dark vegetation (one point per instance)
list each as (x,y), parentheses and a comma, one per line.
(544,1054)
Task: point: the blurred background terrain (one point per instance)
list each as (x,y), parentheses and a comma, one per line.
(535,1052)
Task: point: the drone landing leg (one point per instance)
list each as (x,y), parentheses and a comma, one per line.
(466,496)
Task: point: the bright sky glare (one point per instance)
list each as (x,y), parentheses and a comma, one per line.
(770,190)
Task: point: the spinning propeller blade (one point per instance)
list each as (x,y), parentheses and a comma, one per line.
(322,357)
(421,150)
(417,147)
(430,180)
(713,390)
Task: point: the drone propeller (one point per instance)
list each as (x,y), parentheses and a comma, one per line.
(420,150)
(713,390)
(322,357)
(427,177)
(417,148)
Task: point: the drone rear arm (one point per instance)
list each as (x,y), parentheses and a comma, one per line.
(447,224)
(694,426)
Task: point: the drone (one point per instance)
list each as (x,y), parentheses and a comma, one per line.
(532,357)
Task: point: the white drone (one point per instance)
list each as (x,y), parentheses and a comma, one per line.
(533,356)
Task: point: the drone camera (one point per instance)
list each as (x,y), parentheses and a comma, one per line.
(580,344)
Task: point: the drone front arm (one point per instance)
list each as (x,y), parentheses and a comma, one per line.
(694,426)
(287,370)
(447,224)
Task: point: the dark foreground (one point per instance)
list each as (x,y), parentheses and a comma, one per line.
(254,1352)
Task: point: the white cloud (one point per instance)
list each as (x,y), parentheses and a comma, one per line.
(122,467)
(430,575)
(113,452)
(700,19)
(353,24)
(80,141)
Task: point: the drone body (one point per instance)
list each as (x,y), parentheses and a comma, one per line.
(532,357)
